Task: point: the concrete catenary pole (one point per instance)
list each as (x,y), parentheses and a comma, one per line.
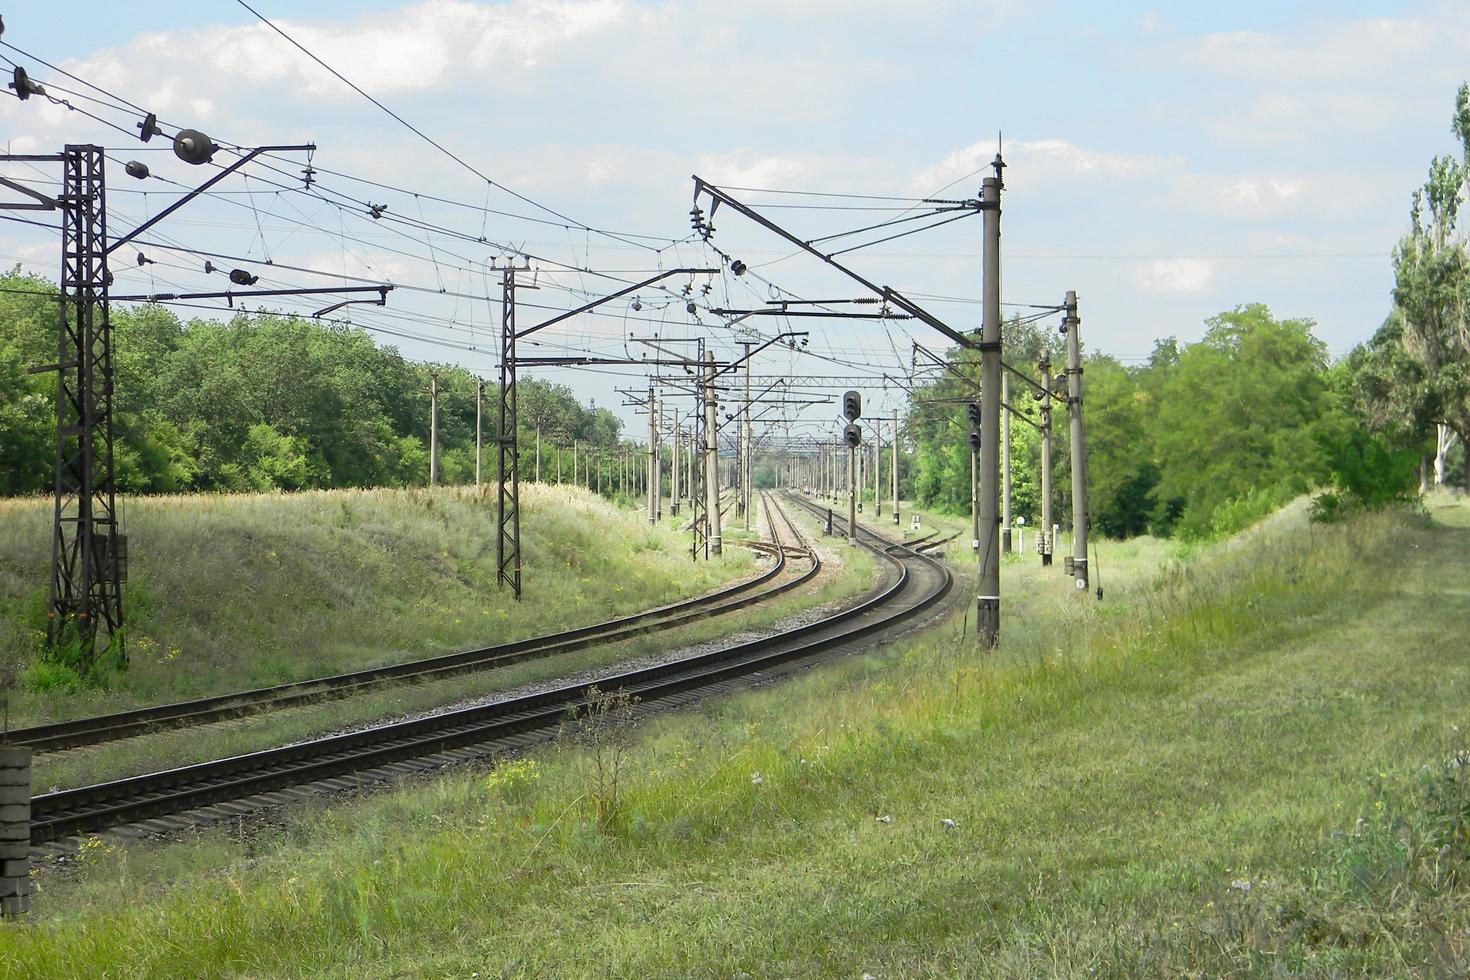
(674,467)
(712,454)
(1072,324)
(433,428)
(538,454)
(1005,463)
(745,468)
(479,398)
(987,599)
(658,462)
(975,499)
(894,482)
(652,475)
(1044,369)
(877,469)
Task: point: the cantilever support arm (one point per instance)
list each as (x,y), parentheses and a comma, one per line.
(610,297)
(118,243)
(891,295)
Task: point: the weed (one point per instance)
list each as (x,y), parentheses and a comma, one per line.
(602,730)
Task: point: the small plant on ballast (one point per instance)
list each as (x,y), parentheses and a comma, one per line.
(602,728)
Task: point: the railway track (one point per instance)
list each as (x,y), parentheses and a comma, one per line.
(199,711)
(232,786)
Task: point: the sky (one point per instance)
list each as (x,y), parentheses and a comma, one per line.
(1168,162)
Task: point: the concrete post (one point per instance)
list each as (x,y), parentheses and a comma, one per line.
(1072,324)
(1047,539)
(852,489)
(877,469)
(674,468)
(652,459)
(987,617)
(1005,463)
(894,486)
(15,830)
(712,453)
(433,428)
(479,399)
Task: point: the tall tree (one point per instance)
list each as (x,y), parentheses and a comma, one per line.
(1432,293)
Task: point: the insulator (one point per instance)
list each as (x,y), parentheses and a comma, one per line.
(24,86)
(192,146)
(148,128)
(136,168)
(242,278)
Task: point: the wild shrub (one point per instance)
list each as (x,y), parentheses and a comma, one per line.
(603,729)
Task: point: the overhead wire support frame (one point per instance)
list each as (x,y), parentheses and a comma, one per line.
(508,498)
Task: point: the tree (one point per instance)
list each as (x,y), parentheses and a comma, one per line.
(1431,294)
(1237,415)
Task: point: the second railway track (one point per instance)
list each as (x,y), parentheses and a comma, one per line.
(914,583)
(138,721)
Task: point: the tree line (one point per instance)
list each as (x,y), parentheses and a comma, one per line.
(1206,437)
(264,402)
(1199,440)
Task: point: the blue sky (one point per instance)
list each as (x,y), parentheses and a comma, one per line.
(1166,161)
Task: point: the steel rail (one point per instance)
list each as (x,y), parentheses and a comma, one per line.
(489,726)
(126,724)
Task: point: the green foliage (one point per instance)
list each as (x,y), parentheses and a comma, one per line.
(1415,372)
(1201,441)
(263,402)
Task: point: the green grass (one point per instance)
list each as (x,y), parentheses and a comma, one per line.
(146,753)
(1111,772)
(230,592)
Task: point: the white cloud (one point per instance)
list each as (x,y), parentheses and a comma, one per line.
(413,48)
(745,168)
(1036,161)
(1183,275)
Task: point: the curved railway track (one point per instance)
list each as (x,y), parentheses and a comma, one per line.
(914,583)
(125,724)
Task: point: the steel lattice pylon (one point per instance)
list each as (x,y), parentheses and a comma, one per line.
(508,507)
(88,554)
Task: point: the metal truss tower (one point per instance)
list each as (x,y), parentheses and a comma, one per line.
(88,552)
(508,508)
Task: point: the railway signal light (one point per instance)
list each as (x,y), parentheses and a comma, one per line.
(975,440)
(852,435)
(852,406)
(972,412)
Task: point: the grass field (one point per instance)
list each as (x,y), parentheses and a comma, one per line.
(1236,764)
(147,753)
(229,592)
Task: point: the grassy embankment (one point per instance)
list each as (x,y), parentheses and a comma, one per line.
(229,592)
(1236,765)
(852,574)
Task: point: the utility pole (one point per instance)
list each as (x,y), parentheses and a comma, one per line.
(538,454)
(852,486)
(479,399)
(433,428)
(745,469)
(877,469)
(652,458)
(975,497)
(1005,449)
(674,467)
(987,599)
(1072,324)
(1046,541)
(895,466)
(88,555)
(508,499)
(712,453)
